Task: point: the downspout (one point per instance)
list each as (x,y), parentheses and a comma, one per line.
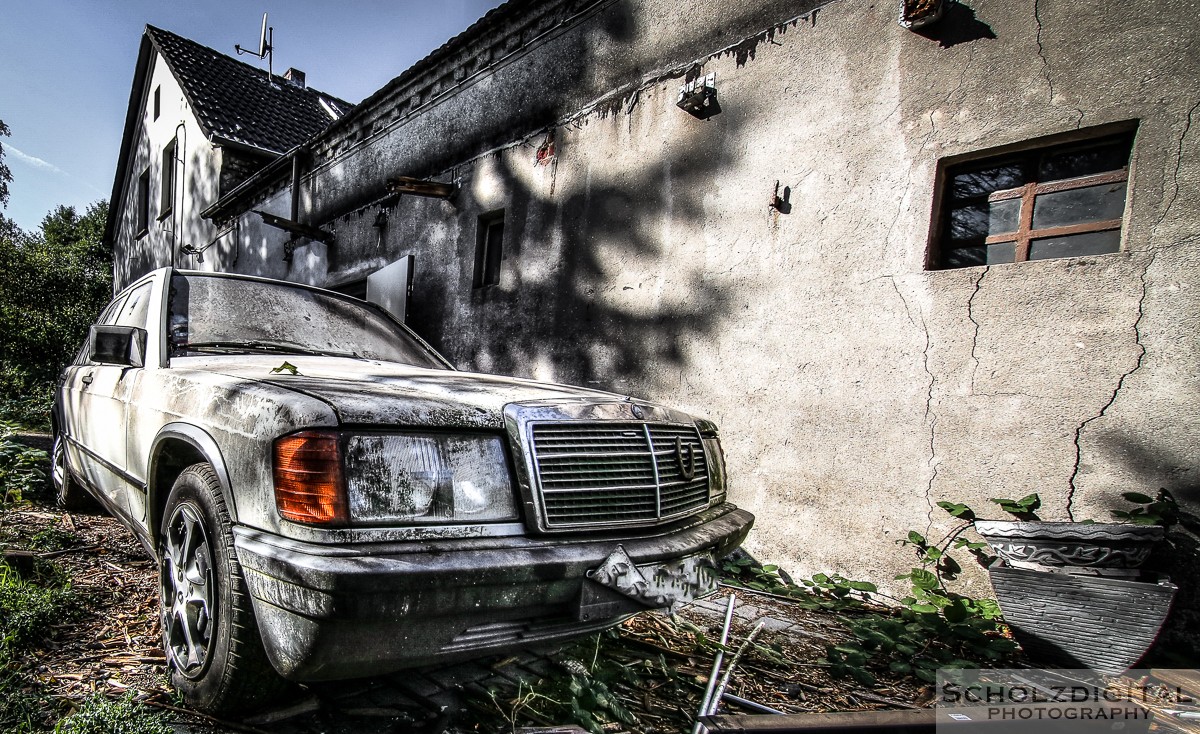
(178,182)
(295,187)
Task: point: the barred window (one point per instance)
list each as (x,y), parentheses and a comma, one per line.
(1057,201)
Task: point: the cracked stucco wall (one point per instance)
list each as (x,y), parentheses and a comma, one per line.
(854,388)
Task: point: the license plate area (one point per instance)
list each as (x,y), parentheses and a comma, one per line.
(651,585)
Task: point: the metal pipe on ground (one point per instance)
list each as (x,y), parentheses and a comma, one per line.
(716,666)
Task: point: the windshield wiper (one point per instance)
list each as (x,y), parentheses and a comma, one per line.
(264,346)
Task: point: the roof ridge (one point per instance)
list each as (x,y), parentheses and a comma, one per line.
(250,67)
(240,103)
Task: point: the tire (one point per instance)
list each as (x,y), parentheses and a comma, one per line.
(68,494)
(215,657)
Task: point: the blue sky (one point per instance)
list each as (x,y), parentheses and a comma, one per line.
(66,67)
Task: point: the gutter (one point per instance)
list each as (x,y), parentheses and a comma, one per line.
(268,174)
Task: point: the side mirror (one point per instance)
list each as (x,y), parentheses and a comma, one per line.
(119,345)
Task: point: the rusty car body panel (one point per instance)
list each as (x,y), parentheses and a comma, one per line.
(578,551)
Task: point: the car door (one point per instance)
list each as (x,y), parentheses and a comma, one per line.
(103,394)
(77,380)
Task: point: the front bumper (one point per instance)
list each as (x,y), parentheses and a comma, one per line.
(332,612)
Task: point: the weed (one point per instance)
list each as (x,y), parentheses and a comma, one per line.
(592,695)
(21,475)
(52,539)
(1161,510)
(928,628)
(28,608)
(31,410)
(100,715)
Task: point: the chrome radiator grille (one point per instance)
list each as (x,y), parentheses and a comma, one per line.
(608,473)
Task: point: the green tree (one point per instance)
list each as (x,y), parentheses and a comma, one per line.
(55,283)
(5,174)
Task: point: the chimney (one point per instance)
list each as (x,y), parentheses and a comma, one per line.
(295,76)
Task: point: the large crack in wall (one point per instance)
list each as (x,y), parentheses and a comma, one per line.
(1141,357)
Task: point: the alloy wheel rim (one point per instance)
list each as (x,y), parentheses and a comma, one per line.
(188,593)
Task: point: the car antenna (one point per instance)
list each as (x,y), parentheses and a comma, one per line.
(266,48)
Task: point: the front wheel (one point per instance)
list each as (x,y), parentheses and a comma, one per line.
(215,657)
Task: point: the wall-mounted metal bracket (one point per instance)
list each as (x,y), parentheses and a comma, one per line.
(915,14)
(421,187)
(699,97)
(296,228)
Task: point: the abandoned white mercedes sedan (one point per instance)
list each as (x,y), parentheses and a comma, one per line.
(327,498)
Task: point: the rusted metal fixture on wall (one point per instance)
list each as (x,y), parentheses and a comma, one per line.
(916,14)
(421,187)
(698,97)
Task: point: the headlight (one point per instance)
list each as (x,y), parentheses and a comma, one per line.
(428,478)
(716,458)
(411,478)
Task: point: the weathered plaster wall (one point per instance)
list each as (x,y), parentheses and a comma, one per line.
(854,388)
(196,172)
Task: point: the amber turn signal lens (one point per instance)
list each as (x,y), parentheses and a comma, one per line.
(309,487)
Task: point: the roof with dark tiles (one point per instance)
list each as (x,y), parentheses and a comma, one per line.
(240,103)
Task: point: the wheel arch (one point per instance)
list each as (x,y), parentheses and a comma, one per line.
(176,447)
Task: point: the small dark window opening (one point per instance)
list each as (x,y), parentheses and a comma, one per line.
(167,190)
(489,249)
(157,90)
(1055,201)
(143,203)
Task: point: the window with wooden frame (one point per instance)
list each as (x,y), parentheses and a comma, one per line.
(167,189)
(143,203)
(1064,200)
(489,250)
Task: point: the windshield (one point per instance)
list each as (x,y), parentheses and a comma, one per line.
(228,315)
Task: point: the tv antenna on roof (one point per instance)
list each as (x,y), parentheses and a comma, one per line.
(265,47)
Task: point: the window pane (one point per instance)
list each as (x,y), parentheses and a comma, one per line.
(1002,252)
(1075,206)
(136,308)
(969,222)
(981,182)
(1112,156)
(1004,216)
(1076,245)
(977,221)
(965,257)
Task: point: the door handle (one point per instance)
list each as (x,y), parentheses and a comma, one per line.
(86,379)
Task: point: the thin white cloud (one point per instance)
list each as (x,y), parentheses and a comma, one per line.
(33,160)
(36,162)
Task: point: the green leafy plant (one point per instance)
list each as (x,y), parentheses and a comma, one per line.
(1161,510)
(926,629)
(1022,509)
(101,715)
(586,696)
(21,475)
(29,605)
(52,539)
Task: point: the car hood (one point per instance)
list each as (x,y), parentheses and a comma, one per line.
(370,392)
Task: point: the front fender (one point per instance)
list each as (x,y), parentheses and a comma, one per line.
(205,449)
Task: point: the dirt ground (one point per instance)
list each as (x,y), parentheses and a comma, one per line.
(114,646)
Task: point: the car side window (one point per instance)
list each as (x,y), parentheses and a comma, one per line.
(108,316)
(136,308)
